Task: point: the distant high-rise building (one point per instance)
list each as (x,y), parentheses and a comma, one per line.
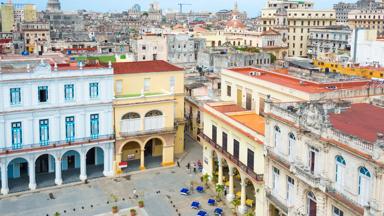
(7,17)
(53,5)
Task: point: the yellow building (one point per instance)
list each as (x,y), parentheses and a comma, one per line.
(148,113)
(350,69)
(233,153)
(30,13)
(7,17)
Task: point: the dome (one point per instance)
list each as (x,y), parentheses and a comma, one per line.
(235,23)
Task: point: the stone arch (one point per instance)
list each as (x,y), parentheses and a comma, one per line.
(131,140)
(250,193)
(45,153)
(94,160)
(17,157)
(154,137)
(131,115)
(153,148)
(152,113)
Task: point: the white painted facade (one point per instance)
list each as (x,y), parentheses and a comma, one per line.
(29,112)
(366,49)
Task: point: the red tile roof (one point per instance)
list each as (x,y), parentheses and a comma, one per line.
(144,67)
(300,84)
(361,120)
(228,108)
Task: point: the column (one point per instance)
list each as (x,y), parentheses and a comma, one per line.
(83,166)
(220,177)
(243,206)
(108,160)
(142,165)
(32,174)
(230,195)
(4,179)
(58,179)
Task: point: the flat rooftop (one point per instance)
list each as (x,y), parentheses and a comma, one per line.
(301,84)
(247,118)
(144,67)
(362,120)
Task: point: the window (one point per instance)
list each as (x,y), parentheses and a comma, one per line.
(275,179)
(214,133)
(94,126)
(172,81)
(311,204)
(44,132)
(69,92)
(291,145)
(70,128)
(290,189)
(17,138)
(43,94)
(225,141)
(250,159)
(312,159)
(93,90)
(229,91)
(340,171)
(15,96)
(364,185)
(147,84)
(119,86)
(278,138)
(337,212)
(236,148)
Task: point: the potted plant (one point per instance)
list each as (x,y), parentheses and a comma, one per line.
(56,214)
(141,203)
(133,212)
(205,179)
(115,209)
(235,203)
(219,191)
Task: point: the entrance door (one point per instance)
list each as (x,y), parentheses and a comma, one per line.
(239,97)
(148,148)
(42,164)
(71,161)
(23,169)
(248,103)
(91,156)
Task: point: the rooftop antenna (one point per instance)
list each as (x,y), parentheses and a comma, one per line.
(181,6)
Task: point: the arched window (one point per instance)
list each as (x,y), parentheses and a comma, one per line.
(131,115)
(277,138)
(291,145)
(340,172)
(364,185)
(311,204)
(153,113)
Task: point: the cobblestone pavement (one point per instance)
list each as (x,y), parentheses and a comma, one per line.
(158,187)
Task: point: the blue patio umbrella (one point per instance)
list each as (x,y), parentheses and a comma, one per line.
(218,211)
(184,191)
(200,189)
(195,205)
(202,213)
(211,202)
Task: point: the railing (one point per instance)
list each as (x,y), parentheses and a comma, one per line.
(350,140)
(149,131)
(153,123)
(277,156)
(344,198)
(233,159)
(276,199)
(130,125)
(53,144)
(310,178)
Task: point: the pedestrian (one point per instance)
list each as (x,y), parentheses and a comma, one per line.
(134,193)
(225,191)
(189,167)
(178,163)
(194,167)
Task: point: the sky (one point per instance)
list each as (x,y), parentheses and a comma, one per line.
(252,7)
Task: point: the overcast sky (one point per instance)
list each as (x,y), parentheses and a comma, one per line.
(251,6)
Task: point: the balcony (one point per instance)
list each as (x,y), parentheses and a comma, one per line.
(55,144)
(133,127)
(313,179)
(341,197)
(236,161)
(276,199)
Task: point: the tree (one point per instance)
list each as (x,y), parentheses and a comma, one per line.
(235,203)
(205,179)
(249,213)
(219,191)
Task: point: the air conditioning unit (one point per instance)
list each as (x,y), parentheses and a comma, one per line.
(255,73)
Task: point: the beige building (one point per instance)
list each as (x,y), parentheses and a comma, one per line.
(294,19)
(150,47)
(148,113)
(324,158)
(36,36)
(250,87)
(233,153)
(7,17)
(368,19)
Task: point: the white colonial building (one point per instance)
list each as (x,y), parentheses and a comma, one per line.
(324,158)
(56,123)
